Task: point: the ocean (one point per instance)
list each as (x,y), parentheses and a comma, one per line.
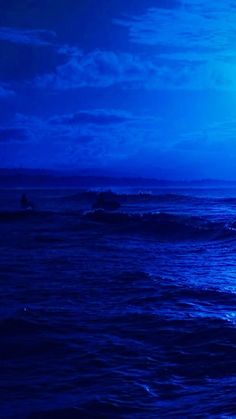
(122,314)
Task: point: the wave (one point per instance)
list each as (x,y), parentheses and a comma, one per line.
(90,196)
(128,198)
(163,225)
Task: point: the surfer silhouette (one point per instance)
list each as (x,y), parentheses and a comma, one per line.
(107,201)
(25,203)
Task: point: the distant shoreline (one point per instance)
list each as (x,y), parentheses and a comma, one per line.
(37,178)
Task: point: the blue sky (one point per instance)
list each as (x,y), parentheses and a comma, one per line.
(138,87)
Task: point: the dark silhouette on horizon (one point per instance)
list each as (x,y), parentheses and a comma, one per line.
(107,201)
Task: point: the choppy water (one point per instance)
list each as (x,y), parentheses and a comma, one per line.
(129,314)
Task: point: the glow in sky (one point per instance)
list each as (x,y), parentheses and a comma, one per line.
(145,88)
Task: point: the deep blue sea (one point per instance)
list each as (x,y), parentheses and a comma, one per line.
(123,314)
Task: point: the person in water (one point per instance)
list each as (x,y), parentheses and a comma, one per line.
(25,203)
(107,201)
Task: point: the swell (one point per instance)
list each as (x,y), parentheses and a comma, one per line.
(128,360)
(163,225)
(89,196)
(129,198)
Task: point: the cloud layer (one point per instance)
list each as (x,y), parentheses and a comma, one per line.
(188,46)
(100,69)
(36,37)
(103,69)
(195,25)
(196,40)
(94,117)
(86,137)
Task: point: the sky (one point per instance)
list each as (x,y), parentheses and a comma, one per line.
(128,87)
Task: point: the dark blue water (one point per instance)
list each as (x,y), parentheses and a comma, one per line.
(129,314)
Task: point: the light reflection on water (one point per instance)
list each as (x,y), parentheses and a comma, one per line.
(110,320)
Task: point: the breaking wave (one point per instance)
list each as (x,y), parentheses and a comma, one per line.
(163,225)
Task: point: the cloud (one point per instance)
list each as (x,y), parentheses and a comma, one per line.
(213,138)
(140,138)
(105,129)
(100,69)
(83,125)
(29,53)
(95,138)
(12,134)
(38,128)
(36,37)
(195,24)
(195,41)
(189,44)
(94,117)
(5,91)
(103,69)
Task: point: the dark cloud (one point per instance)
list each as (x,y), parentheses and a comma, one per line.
(12,134)
(88,135)
(31,53)
(95,117)
(23,62)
